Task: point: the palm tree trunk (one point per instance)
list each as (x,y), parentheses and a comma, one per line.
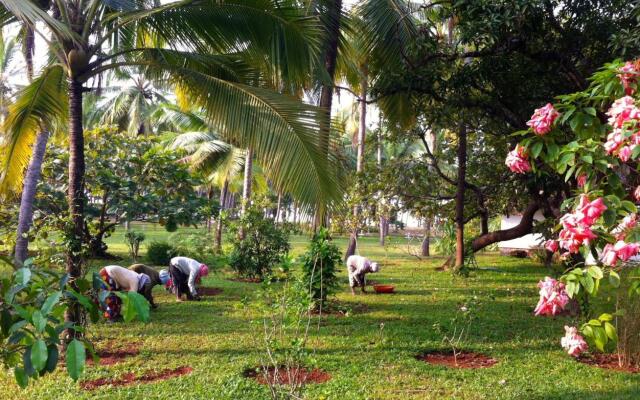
(75,198)
(278,207)
(362,133)
(382,229)
(31,180)
(462,170)
(223,200)
(246,186)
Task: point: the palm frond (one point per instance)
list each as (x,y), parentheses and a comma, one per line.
(40,105)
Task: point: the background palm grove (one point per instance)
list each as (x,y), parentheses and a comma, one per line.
(271,140)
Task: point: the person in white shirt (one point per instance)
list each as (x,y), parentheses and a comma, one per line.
(358,267)
(118,278)
(185,273)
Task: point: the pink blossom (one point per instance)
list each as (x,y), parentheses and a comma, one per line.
(572,342)
(553,297)
(620,251)
(636,193)
(614,141)
(628,222)
(625,153)
(551,245)
(542,119)
(622,111)
(588,212)
(628,75)
(582,180)
(517,160)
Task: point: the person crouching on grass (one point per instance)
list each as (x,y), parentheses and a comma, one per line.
(119,278)
(358,267)
(185,273)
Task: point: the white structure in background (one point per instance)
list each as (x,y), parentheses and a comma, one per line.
(526,242)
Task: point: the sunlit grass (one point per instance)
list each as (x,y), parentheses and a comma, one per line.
(369,354)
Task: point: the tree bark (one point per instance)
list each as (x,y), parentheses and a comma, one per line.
(75,199)
(25,216)
(426,240)
(462,170)
(362,134)
(223,200)
(524,227)
(278,208)
(246,186)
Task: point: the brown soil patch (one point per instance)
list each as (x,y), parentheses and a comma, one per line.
(606,361)
(465,359)
(209,291)
(110,356)
(131,379)
(282,376)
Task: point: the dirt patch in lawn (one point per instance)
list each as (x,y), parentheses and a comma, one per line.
(209,291)
(465,359)
(606,361)
(113,355)
(284,376)
(131,379)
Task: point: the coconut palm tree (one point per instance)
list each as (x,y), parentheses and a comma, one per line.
(206,48)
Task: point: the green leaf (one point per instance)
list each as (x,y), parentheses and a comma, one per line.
(22,379)
(595,272)
(51,301)
(605,317)
(39,355)
(587,158)
(594,322)
(587,283)
(52,358)
(75,359)
(141,306)
(536,149)
(629,206)
(599,337)
(591,111)
(611,332)
(39,321)
(614,279)
(23,276)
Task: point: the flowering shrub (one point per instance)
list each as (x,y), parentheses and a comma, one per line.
(553,297)
(592,140)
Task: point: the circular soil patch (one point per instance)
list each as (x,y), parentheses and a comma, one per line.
(209,291)
(110,355)
(131,379)
(463,359)
(282,376)
(606,361)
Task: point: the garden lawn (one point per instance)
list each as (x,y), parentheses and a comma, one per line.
(370,354)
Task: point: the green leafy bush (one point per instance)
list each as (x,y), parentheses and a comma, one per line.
(264,245)
(34,301)
(319,265)
(133,242)
(160,253)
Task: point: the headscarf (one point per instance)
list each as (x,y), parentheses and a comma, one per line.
(375,267)
(204,270)
(164,276)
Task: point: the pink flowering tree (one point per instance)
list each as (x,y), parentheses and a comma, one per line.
(592,140)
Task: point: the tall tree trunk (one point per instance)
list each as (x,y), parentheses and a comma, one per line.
(75,198)
(426,240)
(462,171)
(383,225)
(278,208)
(223,200)
(362,134)
(31,179)
(246,185)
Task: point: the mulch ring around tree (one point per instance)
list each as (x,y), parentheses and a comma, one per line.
(110,355)
(284,376)
(463,359)
(209,291)
(131,379)
(606,361)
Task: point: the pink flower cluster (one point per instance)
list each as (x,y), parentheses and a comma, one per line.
(572,342)
(518,160)
(542,119)
(628,75)
(553,297)
(576,226)
(620,251)
(628,222)
(622,112)
(636,194)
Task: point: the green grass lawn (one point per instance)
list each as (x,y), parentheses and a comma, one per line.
(218,338)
